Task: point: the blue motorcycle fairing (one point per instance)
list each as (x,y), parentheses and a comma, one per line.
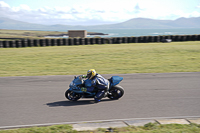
(77,81)
(88,85)
(115,80)
(84,94)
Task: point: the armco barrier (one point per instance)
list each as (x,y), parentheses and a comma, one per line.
(91,41)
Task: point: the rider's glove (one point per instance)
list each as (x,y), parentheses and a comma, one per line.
(84,76)
(83,89)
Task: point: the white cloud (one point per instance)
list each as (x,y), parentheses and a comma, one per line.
(194,14)
(22,7)
(3,4)
(180,13)
(66,15)
(90,14)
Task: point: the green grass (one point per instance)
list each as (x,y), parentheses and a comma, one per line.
(106,59)
(148,128)
(48,129)
(155,128)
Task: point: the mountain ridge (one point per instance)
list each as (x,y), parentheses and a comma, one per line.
(135,23)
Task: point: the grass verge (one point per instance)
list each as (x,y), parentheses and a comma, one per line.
(148,128)
(106,59)
(26,34)
(154,128)
(48,129)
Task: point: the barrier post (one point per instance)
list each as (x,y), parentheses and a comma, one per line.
(151,39)
(61,42)
(41,42)
(82,41)
(47,42)
(58,42)
(114,40)
(156,39)
(124,40)
(183,38)
(18,43)
(88,41)
(161,38)
(171,37)
(103,41)
(52,42)
(135,39)
(97,41)
(119,40)
(10,43)
(5,44)
(1,44)
(35,43)
(177,38)
(198,37)
(92,40)
(140,39)
(187,37)
(24,43)
(145,39)
(194,37)
(129,39)
(70,41)
(65,41)
(76,41)
(30,43)
(110,40)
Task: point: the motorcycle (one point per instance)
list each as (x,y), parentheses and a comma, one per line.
(76,89)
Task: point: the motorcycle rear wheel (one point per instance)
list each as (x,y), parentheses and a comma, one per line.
(71,96)
(116,92)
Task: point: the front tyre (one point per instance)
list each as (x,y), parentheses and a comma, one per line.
(116,92)
(71,96)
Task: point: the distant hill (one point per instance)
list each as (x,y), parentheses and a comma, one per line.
(145,23)
(136,23)
(6,23)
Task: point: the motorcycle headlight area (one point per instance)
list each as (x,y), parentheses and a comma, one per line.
(71,84)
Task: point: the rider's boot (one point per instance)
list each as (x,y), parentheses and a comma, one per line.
(99,95)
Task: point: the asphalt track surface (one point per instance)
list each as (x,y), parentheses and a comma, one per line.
(40,99)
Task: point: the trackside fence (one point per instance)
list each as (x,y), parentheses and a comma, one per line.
(90,41)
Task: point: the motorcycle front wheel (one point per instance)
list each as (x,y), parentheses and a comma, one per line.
(70,95)
(116,92)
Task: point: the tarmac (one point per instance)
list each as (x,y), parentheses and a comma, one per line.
(39,101)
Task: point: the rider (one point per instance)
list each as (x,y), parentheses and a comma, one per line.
(99,82)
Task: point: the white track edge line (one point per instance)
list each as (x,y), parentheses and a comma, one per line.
(111,120)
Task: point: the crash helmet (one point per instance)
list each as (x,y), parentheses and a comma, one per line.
(91,73)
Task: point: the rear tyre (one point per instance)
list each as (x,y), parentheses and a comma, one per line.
(116,92)
(71,96)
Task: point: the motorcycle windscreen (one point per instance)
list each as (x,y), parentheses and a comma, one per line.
(76,81)
(116,80)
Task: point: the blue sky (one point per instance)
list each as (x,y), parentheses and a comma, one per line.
(95,12)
